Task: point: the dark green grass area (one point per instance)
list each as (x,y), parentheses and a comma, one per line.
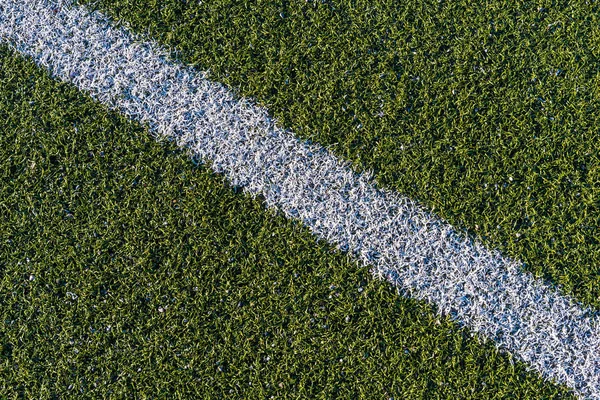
(125,270)
(486,113)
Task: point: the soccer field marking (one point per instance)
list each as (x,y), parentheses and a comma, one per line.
(423,256)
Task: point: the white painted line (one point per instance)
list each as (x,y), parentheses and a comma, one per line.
(425,257)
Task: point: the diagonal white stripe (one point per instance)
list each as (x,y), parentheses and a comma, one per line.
(423,256)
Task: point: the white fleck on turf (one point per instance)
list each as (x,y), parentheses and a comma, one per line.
(420,254)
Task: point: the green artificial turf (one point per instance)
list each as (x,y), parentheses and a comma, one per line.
(126,271)
(486,113)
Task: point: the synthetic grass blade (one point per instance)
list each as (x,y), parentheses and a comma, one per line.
(421,255)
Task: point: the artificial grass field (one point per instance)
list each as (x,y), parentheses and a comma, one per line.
(486,114)
(126,271)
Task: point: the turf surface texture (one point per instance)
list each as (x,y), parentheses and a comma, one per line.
(485,114)
(128,270)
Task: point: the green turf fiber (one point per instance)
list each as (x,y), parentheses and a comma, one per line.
(127,270)
(487,113)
